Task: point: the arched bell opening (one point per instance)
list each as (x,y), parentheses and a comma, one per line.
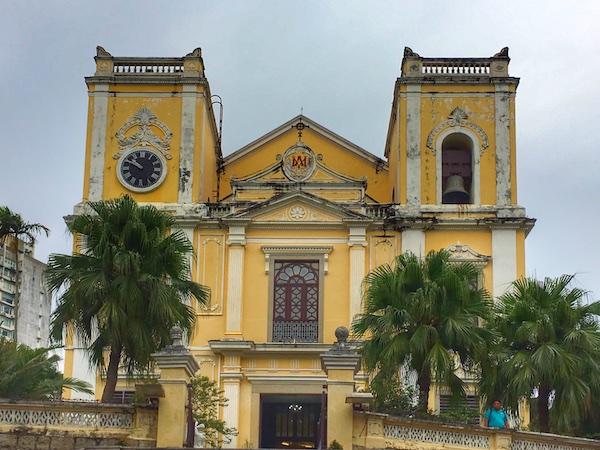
(457,170)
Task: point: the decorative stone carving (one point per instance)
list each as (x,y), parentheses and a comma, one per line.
(207,309)
(458,115)
(299,162)
(199,435)
(177,342)
(502,53)
(464,253)
(374,429)
(458,118)
(297,212)
(196,53)
(145,120)
(408,53)
(102,53)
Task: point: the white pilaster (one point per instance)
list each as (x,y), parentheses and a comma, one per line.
(413,240)
(83,371)
(502,113)
(357,241)
(98,144)
(236,243)
(231,391)
(413,145)
(504,259)
(186,155)
(189,233)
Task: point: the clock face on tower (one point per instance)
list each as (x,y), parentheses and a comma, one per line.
(142,169)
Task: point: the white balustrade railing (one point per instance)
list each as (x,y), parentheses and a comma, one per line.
(61,418)
(481,438)
(378,211)
(436,436)
(147,68)
(525,440)
(456,67)
(520,444)
(151,66)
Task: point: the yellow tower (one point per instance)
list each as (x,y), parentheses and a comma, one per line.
(151,130)
(152,134)
(452,155)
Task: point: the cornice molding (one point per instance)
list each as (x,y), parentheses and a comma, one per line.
(296,250)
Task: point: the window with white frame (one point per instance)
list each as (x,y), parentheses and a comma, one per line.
(296,301)
(296,276)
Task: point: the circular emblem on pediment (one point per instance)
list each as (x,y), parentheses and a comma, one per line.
(297,212)
(298,162)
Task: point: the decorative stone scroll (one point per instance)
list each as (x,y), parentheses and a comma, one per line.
(464,253)
(145,136)
(458,118)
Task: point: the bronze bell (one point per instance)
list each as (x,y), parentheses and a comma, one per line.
(455,192)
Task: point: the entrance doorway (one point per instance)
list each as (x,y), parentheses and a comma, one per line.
(290,421)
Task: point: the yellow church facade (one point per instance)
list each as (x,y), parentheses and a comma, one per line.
(286,228)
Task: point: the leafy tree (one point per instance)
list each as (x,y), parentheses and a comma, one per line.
(125,286)
(13,228)
(32,374)
(550,344)
(206,400)
(391,394)
(424,313)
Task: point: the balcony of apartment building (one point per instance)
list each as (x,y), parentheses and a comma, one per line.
(7,323)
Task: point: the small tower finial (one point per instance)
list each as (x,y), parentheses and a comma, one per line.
(101,52)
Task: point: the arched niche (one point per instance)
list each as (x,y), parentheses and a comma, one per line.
(457,151)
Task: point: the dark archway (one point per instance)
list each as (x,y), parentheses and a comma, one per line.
(457,170)
(289,421)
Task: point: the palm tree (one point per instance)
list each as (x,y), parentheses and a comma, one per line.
(27,373)
(424,313)
(550,343)
(12,229)
(124,289)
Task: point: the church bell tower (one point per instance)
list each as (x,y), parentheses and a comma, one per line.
(151,130)
(452,157)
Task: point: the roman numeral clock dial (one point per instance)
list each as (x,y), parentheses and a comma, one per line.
(142,169)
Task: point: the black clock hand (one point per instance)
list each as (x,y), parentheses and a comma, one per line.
(136,164)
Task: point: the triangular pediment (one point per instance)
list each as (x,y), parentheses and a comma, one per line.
(314,127)
(295,207)
(301,155)
(299,169)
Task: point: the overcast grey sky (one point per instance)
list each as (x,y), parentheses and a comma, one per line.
(336,59)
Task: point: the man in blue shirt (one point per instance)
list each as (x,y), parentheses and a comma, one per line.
(495,417)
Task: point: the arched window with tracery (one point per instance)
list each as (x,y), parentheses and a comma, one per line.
(296,301)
